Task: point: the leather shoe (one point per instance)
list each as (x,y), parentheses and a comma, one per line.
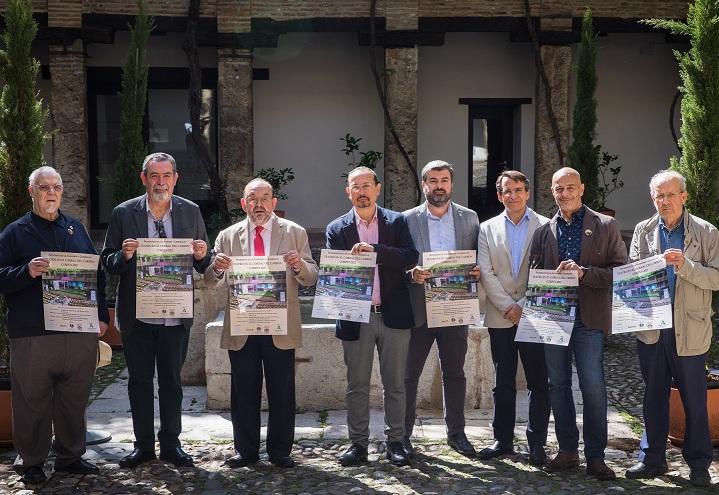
(562,461)
(177,456)
(641,471)
(396,454)
(599,469)
(33,475)
(537,456)
(283,462)
(495,450)
(700,477)
(237,461)
(354,456)
(461,445)
(79,466)
(408,448)
(137,457)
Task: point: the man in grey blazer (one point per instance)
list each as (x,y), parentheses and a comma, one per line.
(503,256)
(438,225)
(153,341)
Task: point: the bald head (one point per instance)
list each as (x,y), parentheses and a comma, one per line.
(567,189)
(565,171)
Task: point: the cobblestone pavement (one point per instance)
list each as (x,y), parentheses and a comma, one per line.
(436,469)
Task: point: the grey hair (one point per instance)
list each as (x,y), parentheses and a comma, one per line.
(362,171)
(438,165)
(259,181)
(44,170)
(665,176)
(158,157)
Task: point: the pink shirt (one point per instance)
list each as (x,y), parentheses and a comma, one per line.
(369,233)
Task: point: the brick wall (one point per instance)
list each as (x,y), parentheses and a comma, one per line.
(64,13)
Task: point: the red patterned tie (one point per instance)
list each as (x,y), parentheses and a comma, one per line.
(259,243)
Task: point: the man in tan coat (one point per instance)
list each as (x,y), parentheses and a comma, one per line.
(262,233)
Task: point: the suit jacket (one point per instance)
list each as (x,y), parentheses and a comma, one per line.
(286,235)
(395,254)
(466,226)
(494,259)
(129,221)
(602,250)
(696,280)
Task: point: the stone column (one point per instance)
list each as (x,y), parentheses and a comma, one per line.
(68,112)
(557,64)
(401,89)
(234,85)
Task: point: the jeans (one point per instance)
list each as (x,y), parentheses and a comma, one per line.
(587,346)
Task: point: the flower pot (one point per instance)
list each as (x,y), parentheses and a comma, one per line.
(5,413)
(677,419)
(112,335)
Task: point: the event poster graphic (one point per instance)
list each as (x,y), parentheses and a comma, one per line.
(451,292)
(641,299)
(550,307)
(344,286)
(164,278)
(69,292)
(258,295)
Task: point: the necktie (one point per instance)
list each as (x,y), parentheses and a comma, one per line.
(160,228)
(259,243)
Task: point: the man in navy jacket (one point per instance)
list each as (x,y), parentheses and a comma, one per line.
(369,228)
(51,374)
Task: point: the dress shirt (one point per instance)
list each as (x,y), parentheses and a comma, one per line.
(570,235)
(516,234)
(266,235)
(441,231)
(369,233)
(668,239)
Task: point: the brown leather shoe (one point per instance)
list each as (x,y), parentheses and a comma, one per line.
(562,461)
(598,469)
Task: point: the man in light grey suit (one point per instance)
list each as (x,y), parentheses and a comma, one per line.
(438,225)
(503,256)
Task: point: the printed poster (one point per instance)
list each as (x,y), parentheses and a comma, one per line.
(258,295)
(451,293)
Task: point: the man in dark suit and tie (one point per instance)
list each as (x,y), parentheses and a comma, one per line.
(369,228)
(153,341)
(439,224)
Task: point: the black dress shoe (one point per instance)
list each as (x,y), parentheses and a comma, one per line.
(237,461)
(137,457)
(459,443)
(283,461)
(33,475)
(495,450)
(641,471)
(79,466)
(408,448)
(177,456)
(700,477)
(355,455)
(396,454)
(537,456)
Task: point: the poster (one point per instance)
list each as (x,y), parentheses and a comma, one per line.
(451,293)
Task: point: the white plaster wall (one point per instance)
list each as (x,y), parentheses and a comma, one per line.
(320,88)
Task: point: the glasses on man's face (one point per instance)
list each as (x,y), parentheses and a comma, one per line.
(46,188)
(660,198)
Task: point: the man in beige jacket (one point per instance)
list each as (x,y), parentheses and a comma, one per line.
(690,247)
(262,233)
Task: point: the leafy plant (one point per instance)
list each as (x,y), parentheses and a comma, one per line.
(609,180)
(278,178)
(367,159)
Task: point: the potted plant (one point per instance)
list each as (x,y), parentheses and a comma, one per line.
(367,158)
(609,182)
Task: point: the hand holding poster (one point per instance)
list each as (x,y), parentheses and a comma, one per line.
(550,307)
(258,295)
(164,278)
(450,292)
(69,292)
(344,286)
(641,299)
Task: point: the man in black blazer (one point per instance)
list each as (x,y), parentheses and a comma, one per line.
(369,228)
(151,341)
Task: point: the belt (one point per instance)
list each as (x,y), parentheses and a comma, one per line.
(376,308)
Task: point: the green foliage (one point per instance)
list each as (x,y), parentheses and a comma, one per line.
(583,153)
(133,148)
(22,117)
(609,180)
(278,178)
(367,159)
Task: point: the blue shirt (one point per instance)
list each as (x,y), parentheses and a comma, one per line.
(516,233)
(570,235)
(441,231)
(669,239)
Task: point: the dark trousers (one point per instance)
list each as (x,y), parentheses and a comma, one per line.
(452,346)
(505,352)
(660,363)
(146,347)
(258,353)
(51,377)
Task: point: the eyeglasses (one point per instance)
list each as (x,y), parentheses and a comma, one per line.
(665,197)
(45,188)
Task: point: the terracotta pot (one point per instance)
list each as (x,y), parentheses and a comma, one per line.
(5,414)
(112,335)
(677,419)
